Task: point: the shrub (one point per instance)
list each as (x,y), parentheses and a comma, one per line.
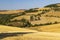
(55,22)
(36,25)
(31,18)
(56,9)
(23,13)
(48,23)
(39,14)
(43,24)
(38,18)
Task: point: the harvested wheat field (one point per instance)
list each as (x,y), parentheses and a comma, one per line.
(11,11)
(36,36)
(47,28)
(8,29)
(50,32)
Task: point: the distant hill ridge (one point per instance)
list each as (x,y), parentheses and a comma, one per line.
(53,5)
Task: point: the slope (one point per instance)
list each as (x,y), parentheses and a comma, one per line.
(48,28)
(36,36)
(7,29)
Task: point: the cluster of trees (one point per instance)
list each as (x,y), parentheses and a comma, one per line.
(31,10)
(54,7)
(46,24)
(25,23)
(20,23)
(52,16)
(34,17)
(6,18)
(44,11)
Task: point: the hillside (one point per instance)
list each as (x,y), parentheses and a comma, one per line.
(10,29)
(40,23)
(36,36)
(42,36)
(31,17)
(11,11)
(47,28)
(53,5)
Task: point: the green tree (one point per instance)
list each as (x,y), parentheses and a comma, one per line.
(25,22)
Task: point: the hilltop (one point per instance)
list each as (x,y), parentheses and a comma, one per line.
(53,5)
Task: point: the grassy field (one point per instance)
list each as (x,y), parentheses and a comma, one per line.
(11,11)
(29,19)
(7,29)
(36,36)
(49,32)
(47,28)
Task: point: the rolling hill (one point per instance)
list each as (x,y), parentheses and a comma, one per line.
(11,11)
(47,28)
(10,29)
(33,16)
(36,36)
(44,22)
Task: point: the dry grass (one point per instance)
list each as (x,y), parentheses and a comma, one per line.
(12,11)
(20,17)
(52,12)
(46,20)
(48,28)
(36,36)
(49,32)
(14,29)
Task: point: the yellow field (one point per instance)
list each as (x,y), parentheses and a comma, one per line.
(11,11)
(42,36)
(7,29)
(46,32)
(52,12)
(36,36)
(49,32)
(47,28)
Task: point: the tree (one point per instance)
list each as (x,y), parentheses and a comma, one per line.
(55,22)
(31,18)
(25,23)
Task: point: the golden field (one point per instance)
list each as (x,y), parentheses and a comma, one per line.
(43,23)
(11,11)
(47,28)
(50,32)
(35,36)
(7,29)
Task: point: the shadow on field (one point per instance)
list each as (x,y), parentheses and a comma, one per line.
(4,35)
